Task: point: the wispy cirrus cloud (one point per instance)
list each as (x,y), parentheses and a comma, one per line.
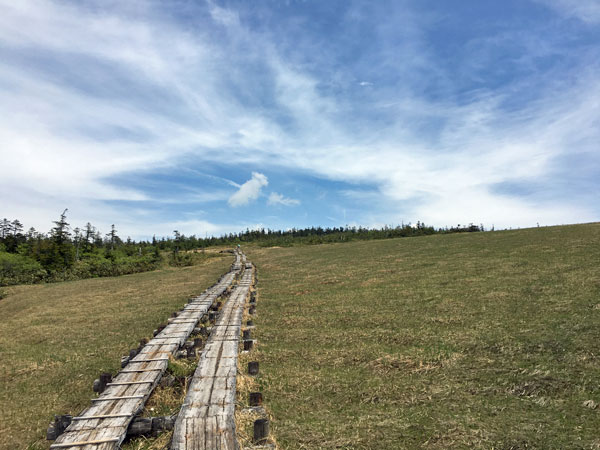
(279,199)
(585,10)
(472,126)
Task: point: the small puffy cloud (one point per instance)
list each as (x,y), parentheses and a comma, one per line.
(278,199)
(366,83)
(249,191)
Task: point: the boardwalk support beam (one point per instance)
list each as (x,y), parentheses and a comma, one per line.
(56,428)
(261,431)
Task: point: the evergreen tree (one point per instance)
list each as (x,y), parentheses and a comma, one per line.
(59,255)
(77,240)
(112,237)
(89,236)
(177,243)
(60,233)
(17,227)
(4,228)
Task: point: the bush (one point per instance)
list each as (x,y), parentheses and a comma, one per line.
(98,266)
(19,269)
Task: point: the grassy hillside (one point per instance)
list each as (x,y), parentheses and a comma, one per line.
(487,340)
(56,338)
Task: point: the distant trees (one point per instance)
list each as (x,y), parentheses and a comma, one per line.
(316,235)
(65,253)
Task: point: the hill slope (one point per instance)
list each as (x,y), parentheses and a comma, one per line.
(56,338)
(485,339)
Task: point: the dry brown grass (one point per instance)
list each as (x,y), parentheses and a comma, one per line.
(245,384)
(485,340)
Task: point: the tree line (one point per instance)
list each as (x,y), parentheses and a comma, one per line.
(320,235)
(66,253)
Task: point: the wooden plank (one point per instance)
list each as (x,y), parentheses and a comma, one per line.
(103,425)
(206,419)
(147,360)
(81,443)
(106,399)
(101,416)
(125,383)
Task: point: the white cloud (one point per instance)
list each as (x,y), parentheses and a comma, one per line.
(249,191)
(223,16)
(278,199)
(584,10)
(440,180)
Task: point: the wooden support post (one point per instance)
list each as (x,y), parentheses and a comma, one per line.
(58,427)
(255,399)
(101,382)
(162,424)
(261,431)
(253,368)
(246,335)
(150,426)
(105,377)
(248,344)
(252,309)
(141,426)
(133,353)
(250,323)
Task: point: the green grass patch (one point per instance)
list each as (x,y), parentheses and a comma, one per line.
(55,339)
(485,340)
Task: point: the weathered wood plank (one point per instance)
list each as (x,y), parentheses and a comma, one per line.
(103,425)
(206,419)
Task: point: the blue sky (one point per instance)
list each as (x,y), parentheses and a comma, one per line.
(217,116)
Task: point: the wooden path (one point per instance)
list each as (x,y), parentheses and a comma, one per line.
(103,426)
(206,420)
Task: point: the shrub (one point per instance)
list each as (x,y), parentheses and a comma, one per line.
(19,269)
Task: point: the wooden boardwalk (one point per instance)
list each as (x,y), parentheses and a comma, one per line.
(206,420)
(103,426)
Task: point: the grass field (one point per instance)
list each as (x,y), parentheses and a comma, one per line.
(56,338)
(485,340)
